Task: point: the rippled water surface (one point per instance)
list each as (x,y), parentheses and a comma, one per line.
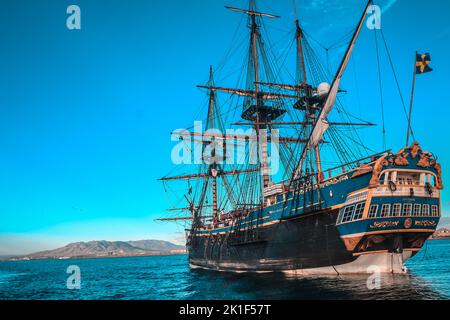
(169,277)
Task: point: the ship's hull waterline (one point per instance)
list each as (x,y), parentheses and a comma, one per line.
(383,263)
(305,246)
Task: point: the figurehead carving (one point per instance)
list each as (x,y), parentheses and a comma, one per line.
(401,159)
(379,165)
(439,184)
(415,148)
(424,161)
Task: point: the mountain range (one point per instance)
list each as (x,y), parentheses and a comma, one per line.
(93,249)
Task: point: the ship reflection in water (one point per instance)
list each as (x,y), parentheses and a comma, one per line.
(347,287)
(169,277)
(427,278)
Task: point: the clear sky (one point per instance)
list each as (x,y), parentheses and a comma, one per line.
(85,115)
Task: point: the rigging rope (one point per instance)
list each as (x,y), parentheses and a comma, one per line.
(396,80)
(381,90)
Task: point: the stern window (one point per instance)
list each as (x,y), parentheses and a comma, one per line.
(407,210)
(373,211)
(385,210)
(434,211)
(426,210)
(417,208)
(359,211)
(348,214)
(396,210)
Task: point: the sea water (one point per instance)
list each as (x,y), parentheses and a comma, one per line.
(169,277)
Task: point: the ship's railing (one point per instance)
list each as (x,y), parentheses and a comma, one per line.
(332,172)
(407,190)
(408,182)
(345,168)
(356,197)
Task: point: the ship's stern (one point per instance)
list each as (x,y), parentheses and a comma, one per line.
(389,222)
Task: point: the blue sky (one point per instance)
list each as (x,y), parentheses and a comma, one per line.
(85,115)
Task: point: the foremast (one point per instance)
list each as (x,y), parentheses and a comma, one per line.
(212,159)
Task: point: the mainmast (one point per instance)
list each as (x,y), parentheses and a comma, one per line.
(254,46)
(301,65)
(212,124)
(264,156)
(256,108)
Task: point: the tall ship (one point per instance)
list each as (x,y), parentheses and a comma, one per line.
(282,180)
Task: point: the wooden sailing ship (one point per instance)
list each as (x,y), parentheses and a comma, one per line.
(367,209)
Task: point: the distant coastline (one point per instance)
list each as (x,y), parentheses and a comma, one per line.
(441,234)
(104,249)
(149,254)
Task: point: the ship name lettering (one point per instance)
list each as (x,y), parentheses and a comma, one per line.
(334,181)
(384,224)
(425,223)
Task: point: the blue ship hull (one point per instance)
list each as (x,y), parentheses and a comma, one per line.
(381,213)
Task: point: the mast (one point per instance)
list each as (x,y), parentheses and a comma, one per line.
(258,111)
(263,143)
(211,124)
(302,79)
(322,124)
(300,56)
(214,190)
(254,46)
